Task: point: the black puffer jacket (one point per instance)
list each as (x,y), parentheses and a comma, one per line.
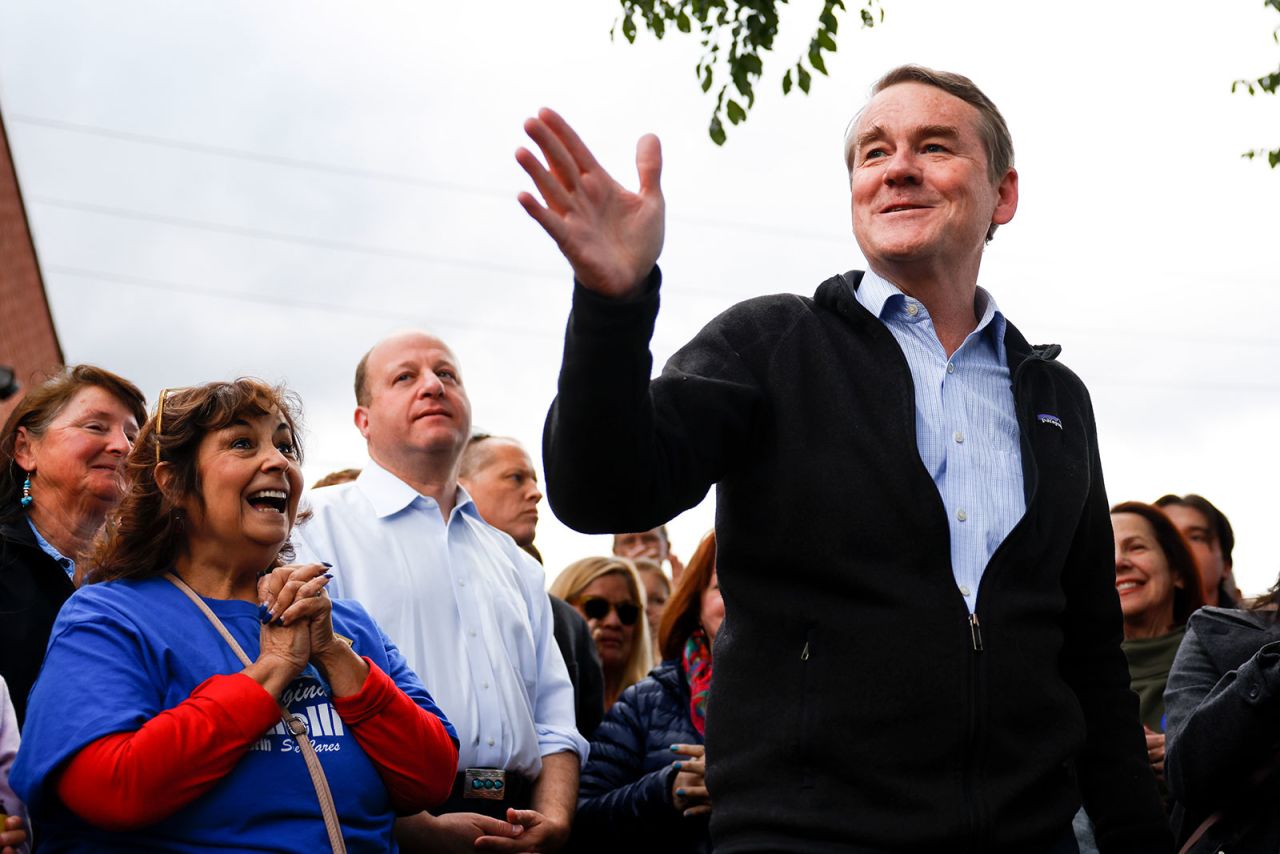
(624,799)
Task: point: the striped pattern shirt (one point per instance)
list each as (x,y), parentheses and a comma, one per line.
(966,428)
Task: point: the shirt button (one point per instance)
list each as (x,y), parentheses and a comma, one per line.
(472,633)
(951,368)
(913,309)
(964,590)
(462,582)
(490,742)
(961,515)
(959,437)
(484,685)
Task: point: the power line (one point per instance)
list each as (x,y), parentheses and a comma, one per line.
(294,302)
(258,157)
(323,243)
(377,175)
(299,239)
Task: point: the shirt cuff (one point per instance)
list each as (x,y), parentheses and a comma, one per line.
(552,739)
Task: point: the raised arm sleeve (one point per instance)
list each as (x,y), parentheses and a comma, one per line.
(668,440)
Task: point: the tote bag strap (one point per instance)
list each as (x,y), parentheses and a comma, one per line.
(293,723)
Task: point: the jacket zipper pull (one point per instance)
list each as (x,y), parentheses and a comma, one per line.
(804,653)
(975,632)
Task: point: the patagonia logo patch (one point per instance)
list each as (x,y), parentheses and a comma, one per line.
(1051,420)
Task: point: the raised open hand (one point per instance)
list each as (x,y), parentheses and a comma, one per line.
(611,236)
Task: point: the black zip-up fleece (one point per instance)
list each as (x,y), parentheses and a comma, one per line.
(856,706)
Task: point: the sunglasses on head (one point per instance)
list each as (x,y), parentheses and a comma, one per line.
(597,608)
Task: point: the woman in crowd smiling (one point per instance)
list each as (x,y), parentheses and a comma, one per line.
(1159,588)
(169,710)
(643,788)
(62,450)
(609,595)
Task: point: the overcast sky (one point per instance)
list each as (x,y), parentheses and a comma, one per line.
(235,188)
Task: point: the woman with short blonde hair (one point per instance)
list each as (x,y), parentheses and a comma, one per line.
(609,595)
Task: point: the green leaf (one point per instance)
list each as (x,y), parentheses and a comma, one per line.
(683,24)
(786,82)
(829,21)
(803,78)
(706,78)
(735,112)
(716,131)
(752,64)
(815,58)
(867,20)
(629,29)
(1273,157)
(825,41)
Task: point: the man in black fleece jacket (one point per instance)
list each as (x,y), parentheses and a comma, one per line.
(873,691)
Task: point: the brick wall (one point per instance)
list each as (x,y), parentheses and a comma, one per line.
(28,341)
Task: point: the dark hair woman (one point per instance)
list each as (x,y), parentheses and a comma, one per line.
(62,453)
(1223,707)
(633,796)
(177,694)
(1159,587)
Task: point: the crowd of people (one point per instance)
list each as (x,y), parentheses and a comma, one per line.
(935,634)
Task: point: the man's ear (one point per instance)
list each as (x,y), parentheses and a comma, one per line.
(361,418)
(1006,198)
(24,453)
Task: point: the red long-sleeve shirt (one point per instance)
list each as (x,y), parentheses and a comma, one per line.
(128,780)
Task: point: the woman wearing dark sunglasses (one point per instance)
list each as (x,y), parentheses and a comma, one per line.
(643,788)
(608,594)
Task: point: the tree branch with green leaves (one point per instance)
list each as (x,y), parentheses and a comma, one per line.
(735,34)
(1267,83)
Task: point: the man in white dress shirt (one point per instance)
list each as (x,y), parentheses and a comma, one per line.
(465,605)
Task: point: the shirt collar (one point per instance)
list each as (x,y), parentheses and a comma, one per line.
(878,295)
(884,299)
(48,548)
(389,494)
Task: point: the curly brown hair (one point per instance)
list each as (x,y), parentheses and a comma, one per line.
(145,534)
(41,405)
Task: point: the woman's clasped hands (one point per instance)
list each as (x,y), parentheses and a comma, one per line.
(689,789)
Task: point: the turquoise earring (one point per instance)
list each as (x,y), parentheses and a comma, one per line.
(26,493)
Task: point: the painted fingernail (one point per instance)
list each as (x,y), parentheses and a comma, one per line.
(680,792)
(328,575)
(678,765)
(264,614)
(673,749)
(329,565)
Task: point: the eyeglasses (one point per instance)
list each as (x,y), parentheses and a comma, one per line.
(164,392)
(597,608)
